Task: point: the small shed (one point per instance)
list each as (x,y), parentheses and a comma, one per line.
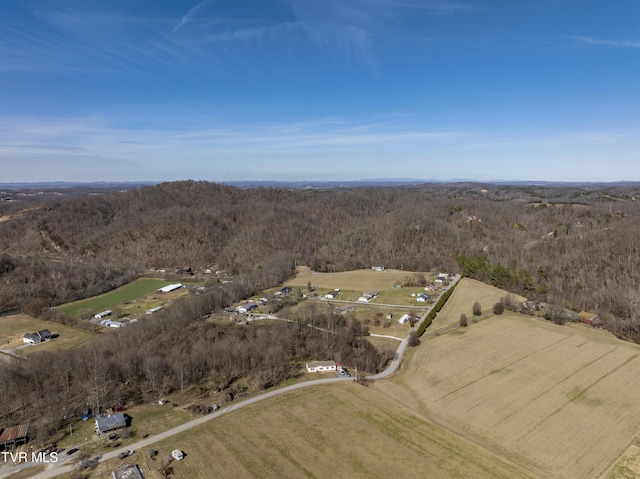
(591,319)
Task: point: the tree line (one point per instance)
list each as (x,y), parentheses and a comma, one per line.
(177,349)
(573,245)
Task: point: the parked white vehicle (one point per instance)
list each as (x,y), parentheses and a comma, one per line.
(177,454)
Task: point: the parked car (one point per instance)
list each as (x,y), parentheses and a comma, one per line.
(125,454)
(71,451)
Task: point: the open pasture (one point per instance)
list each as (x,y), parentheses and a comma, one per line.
(343,430)
(359,280)
(563,401)
(129,292)
(464,296)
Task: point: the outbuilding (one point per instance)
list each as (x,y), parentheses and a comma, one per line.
(170,287)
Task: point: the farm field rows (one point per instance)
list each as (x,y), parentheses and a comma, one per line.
(561,400)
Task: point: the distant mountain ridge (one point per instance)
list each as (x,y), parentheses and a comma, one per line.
(302,184)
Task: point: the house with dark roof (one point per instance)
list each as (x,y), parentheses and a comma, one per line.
(37,337)
(111,422)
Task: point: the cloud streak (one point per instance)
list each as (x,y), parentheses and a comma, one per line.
(189,15)
(607,43)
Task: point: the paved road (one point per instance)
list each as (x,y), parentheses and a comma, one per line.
(392,368)
(56,471)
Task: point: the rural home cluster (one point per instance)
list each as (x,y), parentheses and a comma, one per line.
(108,323)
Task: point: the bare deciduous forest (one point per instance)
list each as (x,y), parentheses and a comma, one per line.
(571,245)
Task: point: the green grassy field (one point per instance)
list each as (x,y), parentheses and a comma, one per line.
(129,292)
(13,327)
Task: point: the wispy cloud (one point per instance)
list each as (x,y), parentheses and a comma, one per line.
(607,43)
(353,28)
(92,140)
(189,15)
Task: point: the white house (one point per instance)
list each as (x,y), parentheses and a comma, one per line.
(332,294)
(37,337)
(319,366)
(368,296)
(245,308)
(170,287)
(153,310)
(423,298)
(103,314)
(404,318)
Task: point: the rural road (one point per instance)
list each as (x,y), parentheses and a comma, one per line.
(393,367)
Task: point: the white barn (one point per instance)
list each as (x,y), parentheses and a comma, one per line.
(170,287)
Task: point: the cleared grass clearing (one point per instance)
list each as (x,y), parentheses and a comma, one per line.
(327,431)
(13,328)
(359,280)
(561,400)
(128,292)
(464,296)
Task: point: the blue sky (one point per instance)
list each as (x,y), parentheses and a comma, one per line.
(222,90)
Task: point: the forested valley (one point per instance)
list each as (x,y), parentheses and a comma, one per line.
(576,246)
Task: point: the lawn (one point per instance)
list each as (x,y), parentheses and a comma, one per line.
(147,419)
(129,292)
(560,400)
(13,327)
